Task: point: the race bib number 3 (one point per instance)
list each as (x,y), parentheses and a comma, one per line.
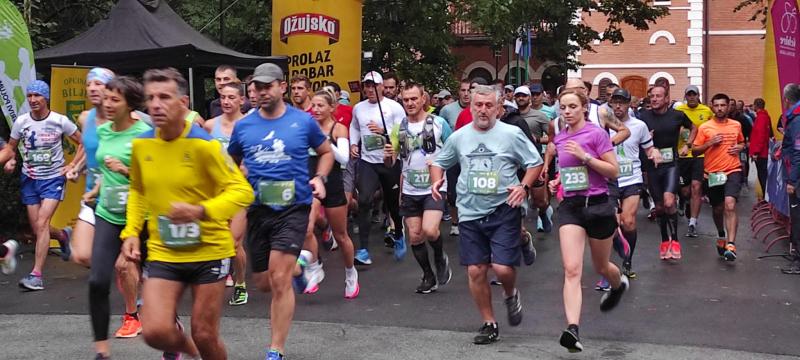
(40,157)
(373,142)
(178,235)
(276,193)
(420,179)
(482,182)
(625,168)
(667,155)
(116,199)
(575,178)
(717,179)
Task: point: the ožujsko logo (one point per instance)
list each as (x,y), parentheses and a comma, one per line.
(308,23)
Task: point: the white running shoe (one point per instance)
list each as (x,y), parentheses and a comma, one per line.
(314,275)
(351,287)
(8,264)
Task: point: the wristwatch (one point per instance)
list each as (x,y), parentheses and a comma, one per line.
(586,158)
(323,178)
(526,187)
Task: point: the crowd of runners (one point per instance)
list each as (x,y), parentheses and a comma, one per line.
(280,173)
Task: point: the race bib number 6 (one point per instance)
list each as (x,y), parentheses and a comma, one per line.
(575,178)
(276,193)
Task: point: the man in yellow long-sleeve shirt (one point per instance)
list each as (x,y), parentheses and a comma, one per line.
(187,188)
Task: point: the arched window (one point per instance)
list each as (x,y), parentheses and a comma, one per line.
(481,73)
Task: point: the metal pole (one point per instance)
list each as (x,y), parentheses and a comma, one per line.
(191,88)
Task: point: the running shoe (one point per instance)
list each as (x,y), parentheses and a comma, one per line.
(487,334)
(692,231)
(514,309)
(388,238)
(626,270)
(651,215)
(131,328)
(100,356)
(315,275)
(602,285)
(663,250)
(427,285)
(399,247)
(327,238)
(570,340)
(494,281)
(334,244)
(528,250)
(64,243)
(443,271)
(721,247)
(453,229)
(351,287)
(675,250)
(446,217)
(8,264)
(610,299)
(274,355)
(239,296)
(229,281)
(300,281)
(547,222)
(620,244)
(32,282)
(730,252)
(362,257)
(793,268)
(172,355)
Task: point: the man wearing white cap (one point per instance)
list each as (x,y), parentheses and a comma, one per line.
(373,121)
(508,97)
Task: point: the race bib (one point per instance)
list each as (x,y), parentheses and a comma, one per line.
(43,157)
(178,235)
(575,178)
(116,199)
(374,142)
(420,179)
(276,193)
(482,182)
(625,168)
(717,179)
(667,155)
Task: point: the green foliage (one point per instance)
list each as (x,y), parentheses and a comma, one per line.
(54,21)
(246,23)
(759,8)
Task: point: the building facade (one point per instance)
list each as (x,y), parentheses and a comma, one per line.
(701,42)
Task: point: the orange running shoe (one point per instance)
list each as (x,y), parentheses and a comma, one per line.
(131,327)
(675,249)
(663,250)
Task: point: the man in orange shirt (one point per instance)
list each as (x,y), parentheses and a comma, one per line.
(722,140)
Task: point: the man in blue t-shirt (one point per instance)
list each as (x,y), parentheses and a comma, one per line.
(273,143)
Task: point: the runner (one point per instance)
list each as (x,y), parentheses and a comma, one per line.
(415,142)
(189,207)
(273,144)
(8,250)
(586,159)
(44,172)
(113,154)
(690,168)
(220,128)
(722,140)
(490,194)
(538,122)
(335,203)
(666,125)
(630,173)
(373,120)
(301,93)
(450,113)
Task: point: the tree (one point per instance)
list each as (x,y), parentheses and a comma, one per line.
(760,9)
(556,35)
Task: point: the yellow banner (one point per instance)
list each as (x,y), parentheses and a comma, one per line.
(322,39)
(68,97)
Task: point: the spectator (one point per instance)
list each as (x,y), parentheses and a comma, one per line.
(759,142)
(791,158)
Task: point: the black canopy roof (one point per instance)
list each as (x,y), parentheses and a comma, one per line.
(145,34)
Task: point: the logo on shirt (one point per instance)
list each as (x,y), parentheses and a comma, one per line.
(294,125)
(271,151)
(481,159)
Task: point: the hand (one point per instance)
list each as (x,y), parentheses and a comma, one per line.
(543,174)
(317,187)
(655,156)
(130,249)
(544,139)
(435,194)
(683,150)
(72,174)
(372,126)
(182,213)
(716,139)
(575,149)
(66,170)
(735,150)
(354,151)
(790,189)
(115,165)
(516,195)
(553,185)
(10,166)
(388,151)
(89,197)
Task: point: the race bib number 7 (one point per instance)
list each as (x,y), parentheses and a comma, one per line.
(420,179)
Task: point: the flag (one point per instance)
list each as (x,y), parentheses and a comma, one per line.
(523,45)
(17,68)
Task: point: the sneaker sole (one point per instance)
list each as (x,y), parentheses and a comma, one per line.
(354,294)
(129,336)
(569,342)
(237,303)
(31,288)
(729,256)
(449,277)
(434,288)
(484,342)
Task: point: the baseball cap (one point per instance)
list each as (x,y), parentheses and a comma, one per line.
(373,76)
(621,93)
(523,90)
(443,94)
(509,87)
(692,88)
(344,95)
(536,88)
(267,73)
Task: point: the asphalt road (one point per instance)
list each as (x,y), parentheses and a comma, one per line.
(698,307)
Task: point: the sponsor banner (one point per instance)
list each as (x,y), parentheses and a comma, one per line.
(785,19)
(322,39)
(68,97)
(16,62)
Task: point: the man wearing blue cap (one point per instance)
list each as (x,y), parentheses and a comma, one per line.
(43,170)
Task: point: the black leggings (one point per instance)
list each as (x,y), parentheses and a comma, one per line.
(105,250)
(370,176)
(761,169)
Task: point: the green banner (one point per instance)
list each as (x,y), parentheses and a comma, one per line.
(16,62)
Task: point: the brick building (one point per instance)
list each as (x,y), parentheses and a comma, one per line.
(701,42)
